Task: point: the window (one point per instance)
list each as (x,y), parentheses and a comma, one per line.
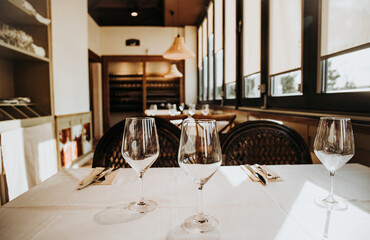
(219,73)
(285,47)
(347,73)
(251,48)
(252,86)
(253,54)
(218,48)
(210,51)
(286,84)
(200,63)
(205,59)
(343,28)
(230,49)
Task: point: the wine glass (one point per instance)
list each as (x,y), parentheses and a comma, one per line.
(153,109)
(334,146)
(205,109)
(182,107)
(173,110)
(200,157)
(191,109)
(140,148)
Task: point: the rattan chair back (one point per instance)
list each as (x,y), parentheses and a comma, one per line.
(264,142)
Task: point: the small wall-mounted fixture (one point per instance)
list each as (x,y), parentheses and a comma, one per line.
(134,14)
(132,42)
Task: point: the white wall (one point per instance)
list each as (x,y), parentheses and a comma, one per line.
(70,56)
(153,40)
(93,36)
(191,66)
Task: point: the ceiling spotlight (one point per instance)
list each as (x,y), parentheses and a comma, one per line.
(134,14)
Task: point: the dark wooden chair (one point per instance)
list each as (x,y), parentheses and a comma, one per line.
(108,149)
(226,117)
(264,142)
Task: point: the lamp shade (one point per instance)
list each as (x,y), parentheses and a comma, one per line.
(174,72)
(178,50)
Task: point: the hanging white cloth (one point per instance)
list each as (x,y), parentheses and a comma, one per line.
(29,156)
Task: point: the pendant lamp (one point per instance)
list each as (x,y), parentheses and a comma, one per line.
(174,72)
(178,50)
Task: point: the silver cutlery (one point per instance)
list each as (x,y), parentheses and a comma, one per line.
(262,179)
(265,171)
(95,178)
(102,179)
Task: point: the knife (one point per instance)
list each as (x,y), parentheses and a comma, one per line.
(95,178)
(257,174)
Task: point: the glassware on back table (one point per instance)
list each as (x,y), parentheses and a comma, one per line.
(153,109)
(140,148)
(191,109)
(173,110)
(182,107)
(205,109)
(334,146)
(200,157)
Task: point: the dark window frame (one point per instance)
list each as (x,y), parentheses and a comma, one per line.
(311,100)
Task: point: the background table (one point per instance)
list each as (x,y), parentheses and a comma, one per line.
(285,210)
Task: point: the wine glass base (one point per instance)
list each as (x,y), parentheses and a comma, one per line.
(142,207)
(335,205)
(206,224)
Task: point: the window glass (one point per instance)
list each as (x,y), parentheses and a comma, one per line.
(200,62)
(285,32)
(230,90)
(219,64)
(200,46)
(230,48)
(205,58)
(205,78)
(286,84)
(347,73)
(251,86)
(210,68)
(200,83)
(210,51)
(218,48)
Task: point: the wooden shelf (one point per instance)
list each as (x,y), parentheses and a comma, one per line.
(24,73)
(121,71)
(161,79)
(11,52)
(17,14)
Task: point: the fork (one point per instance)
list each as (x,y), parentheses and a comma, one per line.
(268,175)
(103,177)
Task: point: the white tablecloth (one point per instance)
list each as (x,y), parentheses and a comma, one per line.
(285,210)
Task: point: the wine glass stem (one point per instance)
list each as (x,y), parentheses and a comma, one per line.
(330,198)
(141,188)
(201,218)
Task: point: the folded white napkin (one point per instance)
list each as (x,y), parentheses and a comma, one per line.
(109,178)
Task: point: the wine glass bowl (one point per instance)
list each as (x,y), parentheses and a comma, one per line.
(140,148)
(191,109)
(205,109)
(200,157)
(334,146)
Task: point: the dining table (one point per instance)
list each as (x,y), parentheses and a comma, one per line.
(245,209)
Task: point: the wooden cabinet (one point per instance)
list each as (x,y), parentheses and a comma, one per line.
(160,90)
(133,83)
(125,92)
(25,86)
